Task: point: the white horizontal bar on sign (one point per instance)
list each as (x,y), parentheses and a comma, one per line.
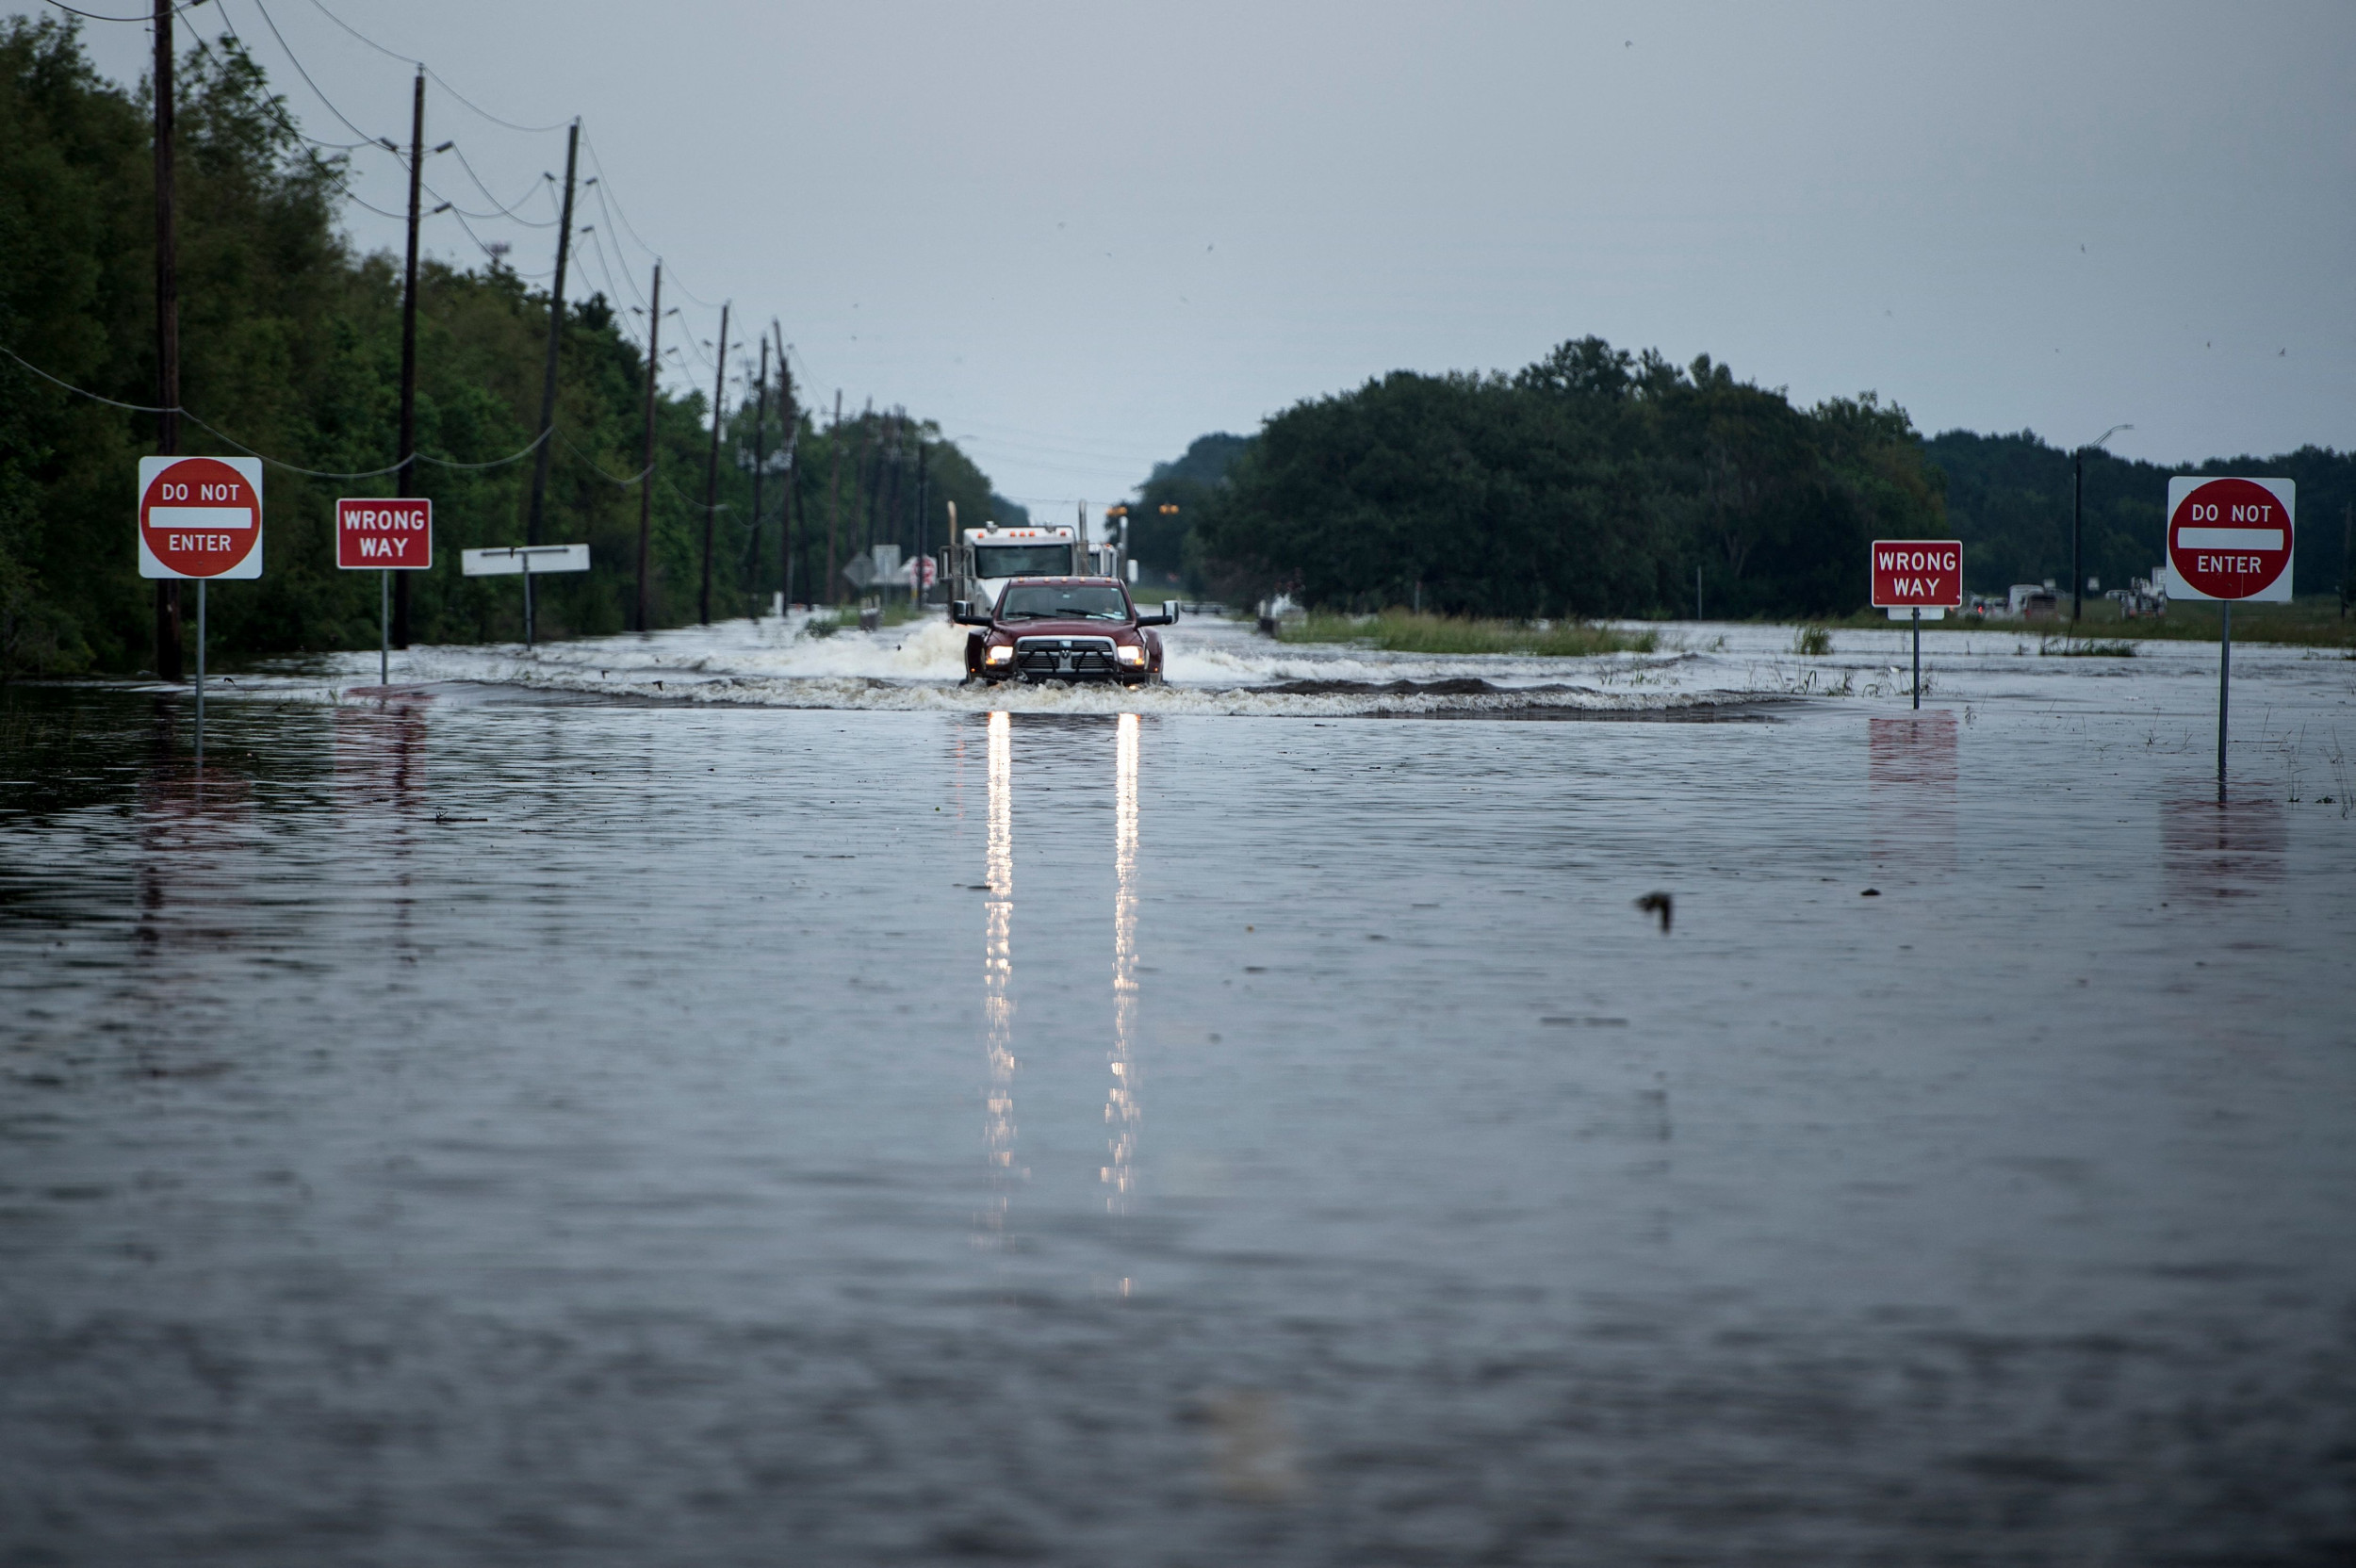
(199,517)
(2229,538)
(543,559)
(1907,613)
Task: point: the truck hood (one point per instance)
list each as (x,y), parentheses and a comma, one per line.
(1029,627)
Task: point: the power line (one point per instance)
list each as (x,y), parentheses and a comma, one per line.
(144,16)
(408,60)
(299,69)
(506,208)
(274,462)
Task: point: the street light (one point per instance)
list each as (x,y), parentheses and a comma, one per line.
(2077,498)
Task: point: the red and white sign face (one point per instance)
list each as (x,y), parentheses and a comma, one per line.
(385,533)
(2230,538)
(200,517)
(1924,574)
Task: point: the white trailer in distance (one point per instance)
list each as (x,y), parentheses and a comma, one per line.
(984,559)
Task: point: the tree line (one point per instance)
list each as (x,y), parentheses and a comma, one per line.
(1601,483)
(291,344)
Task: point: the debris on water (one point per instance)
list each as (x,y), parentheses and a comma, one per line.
(1871,892)
(1658,903)
(1569,1022)
(1253,1451)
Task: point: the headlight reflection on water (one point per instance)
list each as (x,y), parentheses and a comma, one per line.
(997,975)
(1121,1103)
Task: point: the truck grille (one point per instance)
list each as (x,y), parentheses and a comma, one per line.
(1063,658)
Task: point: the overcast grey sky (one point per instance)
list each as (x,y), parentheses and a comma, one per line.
(1080,235)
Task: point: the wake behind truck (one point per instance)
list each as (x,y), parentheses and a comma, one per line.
(984,559)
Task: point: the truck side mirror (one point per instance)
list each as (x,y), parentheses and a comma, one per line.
(961,612)
(1170,611)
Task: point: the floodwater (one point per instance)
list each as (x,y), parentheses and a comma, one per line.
(808,1112)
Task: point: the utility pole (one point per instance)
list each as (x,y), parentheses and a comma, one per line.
(760,460)
(646,480)
(406,479)
(834,497)
(791,417)
(923,519)
(167,331)
(2077,492)
(556,336)
(2077,537)
(712,468)
(870,475)
(2347,559)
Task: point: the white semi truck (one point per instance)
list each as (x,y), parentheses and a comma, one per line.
(984,559)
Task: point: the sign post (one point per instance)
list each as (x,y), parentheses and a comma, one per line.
(199,517)
(2230,540)
(1918,579)
(530,561)
(386,536)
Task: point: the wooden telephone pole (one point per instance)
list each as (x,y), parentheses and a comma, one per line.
(646,480)
(712,468)
(834,495)
(407,478)
(760,461)
(792,418)
(167,331)
(556,337)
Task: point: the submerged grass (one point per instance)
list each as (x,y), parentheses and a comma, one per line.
(2066,646)
(1413,631)
(2313,621)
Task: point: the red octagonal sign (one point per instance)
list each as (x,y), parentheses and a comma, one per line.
(2230,538)
(200,517)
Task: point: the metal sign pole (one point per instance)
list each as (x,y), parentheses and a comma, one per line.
(2224,683)
(1918,658)
(527,560)
(200,674)
(385,624)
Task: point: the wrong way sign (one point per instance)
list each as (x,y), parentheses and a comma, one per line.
(1917,574)
(387,535)
(199,517)
(2231,539)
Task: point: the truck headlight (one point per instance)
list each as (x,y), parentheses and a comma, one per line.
(1129,655)
(1002,654)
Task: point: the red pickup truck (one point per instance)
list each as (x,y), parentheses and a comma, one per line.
(1063,629)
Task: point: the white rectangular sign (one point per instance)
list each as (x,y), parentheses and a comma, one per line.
(543,558)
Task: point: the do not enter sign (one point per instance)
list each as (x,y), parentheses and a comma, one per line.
(2230,538)
(200,517)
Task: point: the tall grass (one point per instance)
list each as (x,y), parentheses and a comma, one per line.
(1413,631)
(2313,621)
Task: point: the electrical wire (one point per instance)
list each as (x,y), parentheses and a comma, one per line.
(410,59)
(272,101)
(274,462)
(298,68)
(488,216)
(144,16)
(583,453)
(507,208)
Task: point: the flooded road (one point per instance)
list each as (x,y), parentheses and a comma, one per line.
(839,1117)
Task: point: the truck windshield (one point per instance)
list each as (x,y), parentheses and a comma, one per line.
(1022,560)
(1080,601)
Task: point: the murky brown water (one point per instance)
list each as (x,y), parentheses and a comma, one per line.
(472,1130)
